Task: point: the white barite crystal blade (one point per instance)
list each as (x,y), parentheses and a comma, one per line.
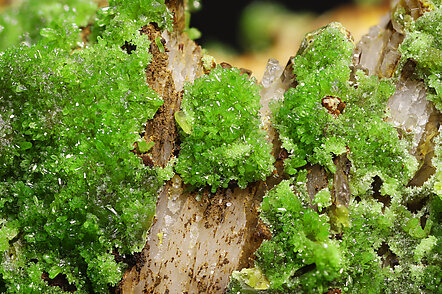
(184,58)
(272,86)
(194,245)
(409,108)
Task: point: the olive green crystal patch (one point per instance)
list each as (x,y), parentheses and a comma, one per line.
(225,143)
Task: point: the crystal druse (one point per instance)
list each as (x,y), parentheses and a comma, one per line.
(225,141)
(374,225)
(72,194)
(356,208)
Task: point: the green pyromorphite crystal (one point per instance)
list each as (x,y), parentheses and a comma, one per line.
(23,23)
(393,239)
(251,279)
(301,255)
(225,142)
(328,112)
(384,250)
(423,45)
(72,192)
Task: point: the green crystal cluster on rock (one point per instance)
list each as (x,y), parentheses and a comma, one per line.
(76,199)
(300,245)
(327,112)
(73,193)
(383,250)
(387,238)
(422,45)
(225,142)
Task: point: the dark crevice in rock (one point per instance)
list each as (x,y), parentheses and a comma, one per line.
(341,193)
(423,220)
(338,236)
(59,281)
(408,70)
(128,47)
(417,204)
(256,231)
(317,179)
(288,78)
(388,257)
(305,269)
(135,259)
(376,188)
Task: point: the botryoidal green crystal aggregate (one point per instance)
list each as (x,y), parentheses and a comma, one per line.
(72,193)
(225,142)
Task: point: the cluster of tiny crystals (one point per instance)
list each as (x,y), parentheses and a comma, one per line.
(378,244)
(73,193)
(226,142)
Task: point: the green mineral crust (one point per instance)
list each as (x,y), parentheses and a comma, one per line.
(75,198)
(387,239)
(328,112)
(73,194)
(423,45)
(300,245)
(222,140)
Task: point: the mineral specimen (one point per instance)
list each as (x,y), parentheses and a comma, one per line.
(101,119)
(381,216)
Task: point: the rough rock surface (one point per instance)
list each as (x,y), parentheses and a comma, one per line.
(195,244)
